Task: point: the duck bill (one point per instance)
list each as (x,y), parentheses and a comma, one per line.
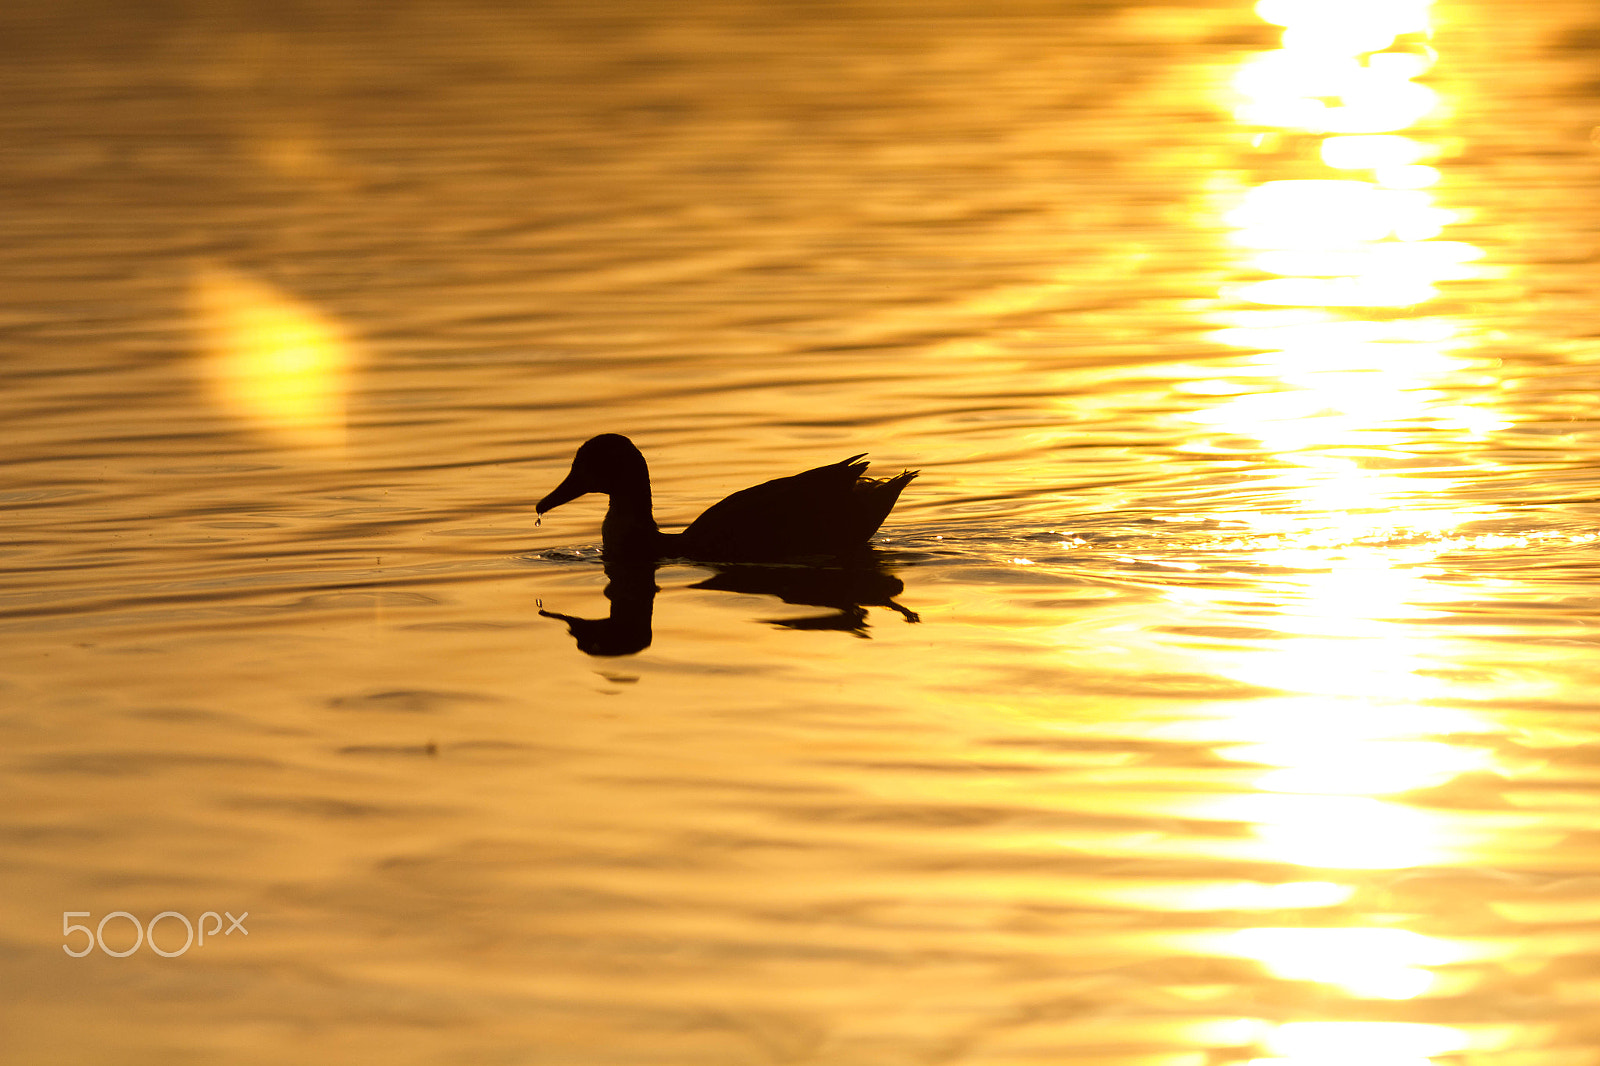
(570,489)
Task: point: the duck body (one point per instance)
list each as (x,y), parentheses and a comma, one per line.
(828,511)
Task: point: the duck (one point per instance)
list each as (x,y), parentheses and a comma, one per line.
(829,511)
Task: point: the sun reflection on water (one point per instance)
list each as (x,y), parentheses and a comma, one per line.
(1349,367)
(1334,386)
(1370,963)
(1369,1043)
(1346,74)
(1348,832)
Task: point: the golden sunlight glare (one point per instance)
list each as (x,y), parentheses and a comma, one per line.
(271,358)
(1334,386)
(1315,764)
(1344,74)
(1369,1043)
(1375,963)
(1347,832)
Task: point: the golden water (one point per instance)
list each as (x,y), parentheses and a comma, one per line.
(1250,715)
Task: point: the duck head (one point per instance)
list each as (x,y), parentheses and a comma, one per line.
(608,463)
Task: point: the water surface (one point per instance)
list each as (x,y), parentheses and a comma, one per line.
(1247,715)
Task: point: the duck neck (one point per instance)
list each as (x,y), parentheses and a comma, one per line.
(630,526)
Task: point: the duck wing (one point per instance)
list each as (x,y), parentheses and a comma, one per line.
(829,510)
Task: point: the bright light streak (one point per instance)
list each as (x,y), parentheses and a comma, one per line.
(1365,152)
(1342,766)
(1432,257)
(1235,896)
(1371,963)
(1317,213)
(1349,833)
(1375,23)
(1411,176)
(1367,1043)
(1338,292)
(1290,89)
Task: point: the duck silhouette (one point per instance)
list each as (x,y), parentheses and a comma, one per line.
(830,511)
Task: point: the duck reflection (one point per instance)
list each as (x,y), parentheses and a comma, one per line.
(847,590)
(632,589)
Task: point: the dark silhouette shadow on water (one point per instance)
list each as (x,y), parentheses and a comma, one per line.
(847,589)
(632,589)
